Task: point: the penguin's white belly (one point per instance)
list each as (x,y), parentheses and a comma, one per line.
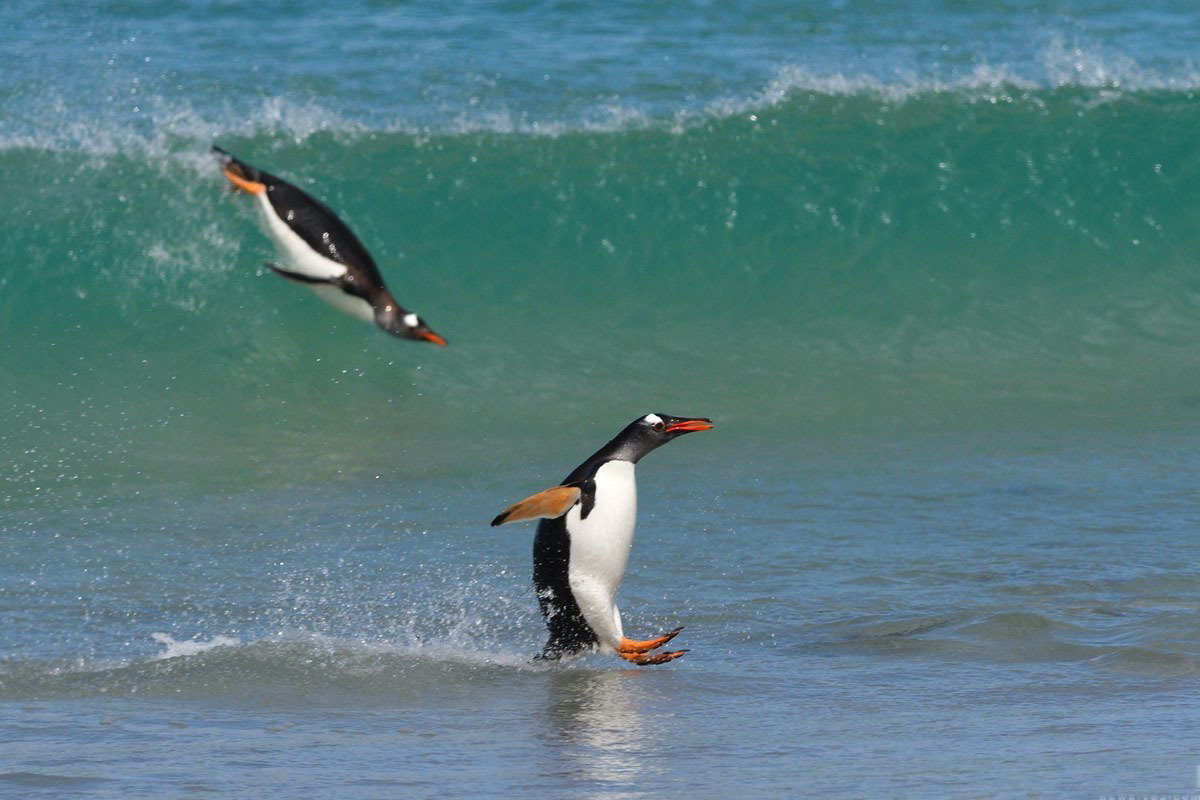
(295,251)
(354,306)
(600,548)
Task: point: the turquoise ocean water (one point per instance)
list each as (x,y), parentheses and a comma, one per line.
(932,270)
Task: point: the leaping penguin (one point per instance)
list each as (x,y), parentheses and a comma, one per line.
(583,540)
(323,253)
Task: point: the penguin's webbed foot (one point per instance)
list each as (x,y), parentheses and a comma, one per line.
(639,652)
(644,659)
(631,646)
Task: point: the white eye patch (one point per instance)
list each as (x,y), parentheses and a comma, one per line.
(410,320)
(652,419)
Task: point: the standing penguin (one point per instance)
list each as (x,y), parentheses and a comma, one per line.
(323,253)
(583,541)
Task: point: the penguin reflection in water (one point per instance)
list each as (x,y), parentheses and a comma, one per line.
(323,253)
(583,541)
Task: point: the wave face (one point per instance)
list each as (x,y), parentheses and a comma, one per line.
(986,251)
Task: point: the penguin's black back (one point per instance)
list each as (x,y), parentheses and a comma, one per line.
(316,224)
(569,631)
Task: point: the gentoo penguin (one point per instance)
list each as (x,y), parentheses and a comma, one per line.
(322,253)
(583,540)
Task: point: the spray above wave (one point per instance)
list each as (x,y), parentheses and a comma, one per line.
(158,122)
(1059,64)
(189,647)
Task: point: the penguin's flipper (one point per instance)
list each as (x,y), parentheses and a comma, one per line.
(548,505)
(297,277)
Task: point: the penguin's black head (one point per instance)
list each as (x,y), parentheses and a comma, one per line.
(405,324)
(652,431)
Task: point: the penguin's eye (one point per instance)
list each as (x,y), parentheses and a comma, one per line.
(658,426)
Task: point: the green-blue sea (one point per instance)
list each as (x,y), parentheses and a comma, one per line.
(932,268)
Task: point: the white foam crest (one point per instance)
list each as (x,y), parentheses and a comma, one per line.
(161,125)
(1062,66)
(608,117)
(191,647)
(1083,65)
(1090,65)
(1059,66)
(616,117)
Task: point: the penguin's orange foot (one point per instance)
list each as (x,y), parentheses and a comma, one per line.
(630,646)
(643,659)
(240,180)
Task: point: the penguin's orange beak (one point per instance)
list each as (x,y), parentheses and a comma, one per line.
(430,336)
(689,425)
